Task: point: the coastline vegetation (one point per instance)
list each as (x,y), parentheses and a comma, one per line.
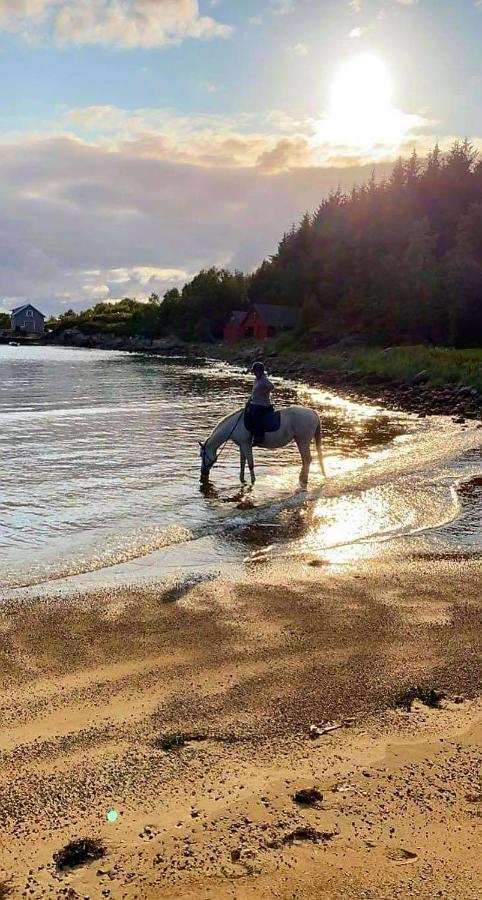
(394,263)
(439,365)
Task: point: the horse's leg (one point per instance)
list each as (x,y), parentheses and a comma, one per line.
(248,452)
(305,454)
(242,458)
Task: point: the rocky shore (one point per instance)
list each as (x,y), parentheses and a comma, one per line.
(417,395)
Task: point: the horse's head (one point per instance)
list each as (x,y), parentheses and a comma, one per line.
(207,460)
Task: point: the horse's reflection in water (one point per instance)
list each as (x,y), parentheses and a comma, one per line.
(241,497)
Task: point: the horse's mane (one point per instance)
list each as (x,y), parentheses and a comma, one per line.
(230,415)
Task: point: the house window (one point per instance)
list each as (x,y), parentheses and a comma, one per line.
(29,312)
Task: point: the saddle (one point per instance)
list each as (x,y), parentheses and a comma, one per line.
(271,420)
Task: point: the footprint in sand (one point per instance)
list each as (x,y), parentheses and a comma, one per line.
(399,854)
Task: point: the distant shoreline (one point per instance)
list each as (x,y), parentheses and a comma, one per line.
(364,372)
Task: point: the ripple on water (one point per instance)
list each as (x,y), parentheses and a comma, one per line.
(100,469)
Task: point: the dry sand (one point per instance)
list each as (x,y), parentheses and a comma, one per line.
(89,685)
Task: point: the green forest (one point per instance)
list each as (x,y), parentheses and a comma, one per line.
(397,260)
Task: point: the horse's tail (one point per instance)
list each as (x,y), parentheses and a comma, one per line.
(319,448)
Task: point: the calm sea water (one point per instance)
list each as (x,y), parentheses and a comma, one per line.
(100,473)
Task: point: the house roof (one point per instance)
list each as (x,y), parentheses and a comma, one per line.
(238,315)
(26,306)
(277,316)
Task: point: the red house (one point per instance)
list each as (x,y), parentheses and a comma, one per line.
(261,321)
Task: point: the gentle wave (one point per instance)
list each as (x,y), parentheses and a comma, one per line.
(437,503)
(91,482)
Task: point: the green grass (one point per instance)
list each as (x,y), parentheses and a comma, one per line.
(443,366)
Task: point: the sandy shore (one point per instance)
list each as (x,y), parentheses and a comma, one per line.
(90,685)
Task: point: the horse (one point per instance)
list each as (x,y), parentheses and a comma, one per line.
(297,423)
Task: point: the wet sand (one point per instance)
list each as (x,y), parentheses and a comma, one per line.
(242,669)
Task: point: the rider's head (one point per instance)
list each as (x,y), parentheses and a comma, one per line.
(258,369)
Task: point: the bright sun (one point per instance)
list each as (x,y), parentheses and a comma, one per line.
(361,116)
(362,88)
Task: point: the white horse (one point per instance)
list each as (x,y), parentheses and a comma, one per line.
(297,423)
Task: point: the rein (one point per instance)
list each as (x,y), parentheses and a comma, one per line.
(233,429)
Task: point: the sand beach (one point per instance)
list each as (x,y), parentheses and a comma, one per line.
(95,688)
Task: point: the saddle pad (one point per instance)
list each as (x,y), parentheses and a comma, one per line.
(272,421)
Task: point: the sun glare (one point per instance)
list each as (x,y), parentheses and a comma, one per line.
(361,116)
(362,87)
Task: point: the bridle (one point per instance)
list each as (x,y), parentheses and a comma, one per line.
(218,454)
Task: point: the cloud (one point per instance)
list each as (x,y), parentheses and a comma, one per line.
(127,202)
(282,7)
(207,140)
(275,141)
(357,32)
(113,23)
(78,218)
(299,49)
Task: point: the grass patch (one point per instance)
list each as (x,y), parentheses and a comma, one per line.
(79,853)
(442,365)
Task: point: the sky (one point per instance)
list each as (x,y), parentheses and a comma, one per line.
(143,140)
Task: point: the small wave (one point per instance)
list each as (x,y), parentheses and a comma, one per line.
(387,496)
(115,551)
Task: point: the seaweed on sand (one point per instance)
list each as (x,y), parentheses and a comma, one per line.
(79,853)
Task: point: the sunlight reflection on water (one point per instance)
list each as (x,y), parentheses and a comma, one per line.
(101,469)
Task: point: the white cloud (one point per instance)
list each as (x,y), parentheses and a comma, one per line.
(116,23)
(275,141)
(356,5)
(83,217)
(357,32)
(282,7)
(299,49)
(127,202)
(255,20)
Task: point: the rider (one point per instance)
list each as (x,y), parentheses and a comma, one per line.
(260,402)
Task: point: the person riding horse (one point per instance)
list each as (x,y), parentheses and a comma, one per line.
(260,402)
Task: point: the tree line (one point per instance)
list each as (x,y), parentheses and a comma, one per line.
(397,260)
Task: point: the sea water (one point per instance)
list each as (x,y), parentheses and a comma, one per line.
(100,473)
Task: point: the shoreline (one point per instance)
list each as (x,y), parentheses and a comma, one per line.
(415,395)
(242,669)
(189,715)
